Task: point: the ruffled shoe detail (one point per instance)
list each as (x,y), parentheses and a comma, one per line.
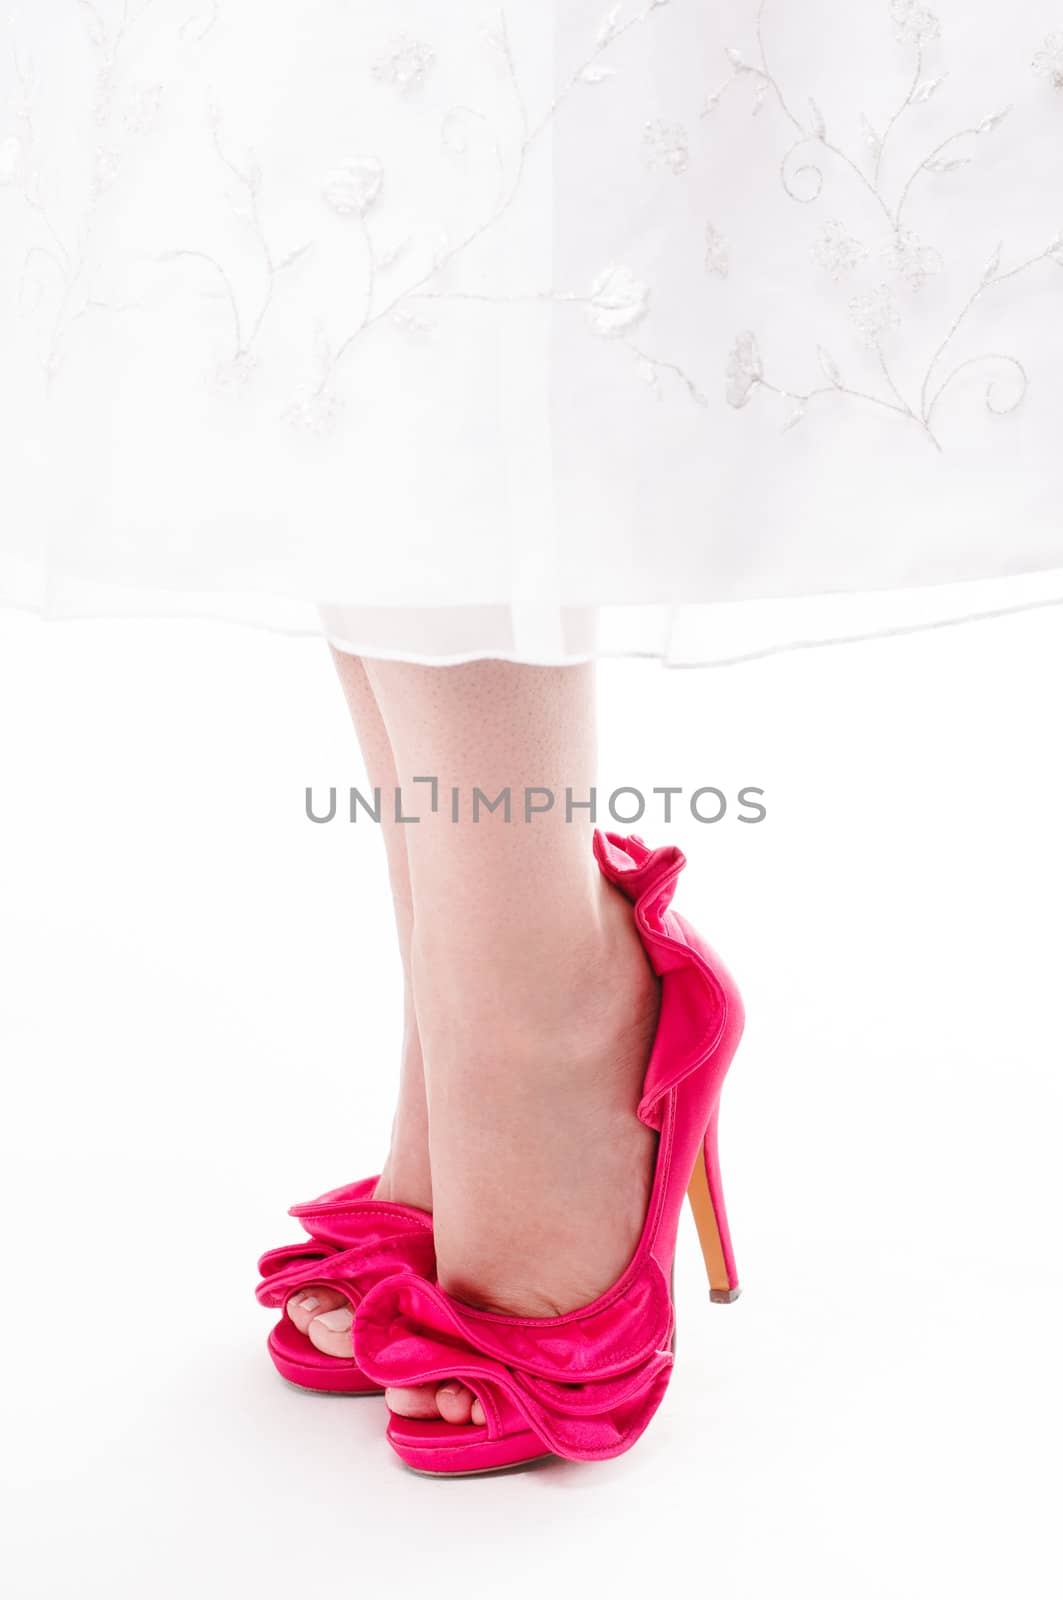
(584,1386)
(701,1000)
(354,1242)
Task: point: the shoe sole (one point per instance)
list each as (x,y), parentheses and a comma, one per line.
(332,1394)
(484,1472)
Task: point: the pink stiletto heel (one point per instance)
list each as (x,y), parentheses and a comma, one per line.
(585,1385)
(354,1243)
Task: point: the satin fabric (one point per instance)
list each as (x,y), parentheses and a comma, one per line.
(354,1242)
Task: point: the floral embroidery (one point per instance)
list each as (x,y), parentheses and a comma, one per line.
(405,66)
(666,143)
(234,372)
(354,186)
(907,257)
(744,370)
(1049,59)
(879,263)
(876,315)
(837,251)
(717,255)
(314,409)
(57,269)
(914,23)
(618,301)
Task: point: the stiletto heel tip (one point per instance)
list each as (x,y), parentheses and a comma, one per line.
(724,1297)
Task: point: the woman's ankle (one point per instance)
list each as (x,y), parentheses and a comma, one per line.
(533,1088)
(572,982)
(406,1178)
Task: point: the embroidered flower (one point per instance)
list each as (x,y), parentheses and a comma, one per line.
(914,23)
(618,301)
(314,410)
(744,370)
(909,262)
(236,375)
(666,143)
(837,251)
(875,314)
(405,65)
(717,258)
(1049,59)
(911,259)
(354,186)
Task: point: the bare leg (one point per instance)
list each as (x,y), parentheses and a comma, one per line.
(406,1176)
(535,1002)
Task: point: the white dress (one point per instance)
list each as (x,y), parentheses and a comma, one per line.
(533,328)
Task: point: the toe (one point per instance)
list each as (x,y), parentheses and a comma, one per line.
(421,1404)
(454,1402)
(330,1332)
(303,1307)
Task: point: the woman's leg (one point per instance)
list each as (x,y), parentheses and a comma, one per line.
(534,999)
(406,1176)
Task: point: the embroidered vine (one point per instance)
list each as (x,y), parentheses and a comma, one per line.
(247,323)
(317,406)
(58,265)
(905,255)
(63,253)
(401,264)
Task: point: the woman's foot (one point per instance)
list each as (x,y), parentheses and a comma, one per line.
(321,1313)
(535,1003)
(541,1170)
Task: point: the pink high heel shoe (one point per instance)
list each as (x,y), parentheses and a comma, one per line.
(355,1242)
(585,1385)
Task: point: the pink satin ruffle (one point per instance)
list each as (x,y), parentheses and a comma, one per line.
(354,1242)
(694,1005)
(587,1385)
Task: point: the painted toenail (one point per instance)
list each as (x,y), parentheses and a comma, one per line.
(309,1302)
(337,1321)
(451,1388)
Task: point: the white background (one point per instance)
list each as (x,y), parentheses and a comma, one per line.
(199,1024)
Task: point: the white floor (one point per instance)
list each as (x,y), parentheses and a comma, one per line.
(198,1024)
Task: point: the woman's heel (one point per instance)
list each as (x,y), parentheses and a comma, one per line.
(705,1193)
